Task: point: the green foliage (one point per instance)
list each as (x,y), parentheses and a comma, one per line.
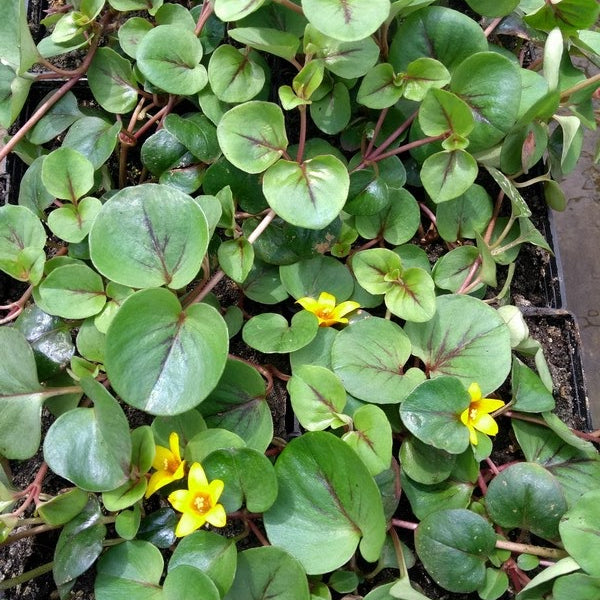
(260,246)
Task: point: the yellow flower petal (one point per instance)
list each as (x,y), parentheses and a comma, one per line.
(215,489)
(162,457)
(345,307)
(326,300)
(157,480)
(180,500)
(197,481)
(216,516)
(472,435)
(485,424)
(174,445)
(475,392)
(188,523)
(489,405)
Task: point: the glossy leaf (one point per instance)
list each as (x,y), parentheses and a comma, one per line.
(248,476)
(161,233)
(183,583)
(346,20)
(493,8)
(425,463)
(158,527)
(161,358)
(169,57)
(238,403)
(427,499)
(252,135)
(422,75)
(268,572)
(527,496)
(327,496)
(466,339)
(21,397)
(17,46)
(93,137)
(133,568)
(465,215)
(67,174)
(528,391)
(454,546)
(310,194)
(71,222)
(213,554)
(91,446)
(369,357)
(63,508)
(273,41)
(332,113)
(112,81)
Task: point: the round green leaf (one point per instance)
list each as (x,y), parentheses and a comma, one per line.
(425,463)
(332,113)
(233,75)
(209,441)
(491,85)
(252,135)
(132,569)
(442,112)
(213,554)
(161,234)
(112,82)
(91,446)
(577,585)
(236,258)
(169,57)
(451,270)
(346,20)
(189,583)
(73,292)
(159,527)
(371,438)
(20,397)
(32,193)
(264,285)
(125,495)
(162,359)
(131,33)
(270,332)
(467,339)
(454,546)
(432,414)
(310,194)
(465,216)
(437,32)
(268,572)
(493,8)
(127,523)
(238,404)
(328,500)
(317,396)
(73,222)
(248,476)
(579,531)
(93,137)
(527,496)
(63,508)
(378,89)
(233,10)
(422,75)
(311,277)
(448,174)
(56,120)
(67,174)
(369,357)
(412,295)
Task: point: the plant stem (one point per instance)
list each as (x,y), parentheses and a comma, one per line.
(404,524)
(27,576)
(407,147)
(555,553)
(392,138)
(205,13)
(376,131)
(28,533)
(302,140)
(488,30)
(580,86)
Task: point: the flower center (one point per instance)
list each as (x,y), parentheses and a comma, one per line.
(170,465)
(201,503)
(472,414)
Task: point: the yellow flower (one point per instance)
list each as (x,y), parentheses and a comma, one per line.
(477,416)
(168,464)
(199,503)
(326,310)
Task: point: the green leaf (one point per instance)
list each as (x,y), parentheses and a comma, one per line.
(184,582)
(21,397)
(59,117)
(452,269)
(93,137)
(527,496)
(422,75)
(273,41)
(127,523)
(32,193)
(233,75)
(454,546)
(13,95)
(437,32)
(442,112)
(73,292)
(491,85)
(268,572)
(206,442)
(331,114)
(346,20)
(238,404)
(159,528)
(519,206)
(493,8)
(112,81)
(162,359)
(17,47)
(169,57)
(130,34)
(127,494)
(233,10)
(369,357)
(529,394)
(425,463)
(542,583)
(572,16)
(91,446)
(270,332)
(327,497)
(213,554)
(132,569)
(378,88)
(63,508)
(464,216)
(248,475)
(67,174)
(79,544)
(371,438)
(72,222)
(236,258)
(310,194)
(577,585)
(466,339)
(162,234)
(317,396)
(412,296)
(448,174)
(252,135)
(432,414)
